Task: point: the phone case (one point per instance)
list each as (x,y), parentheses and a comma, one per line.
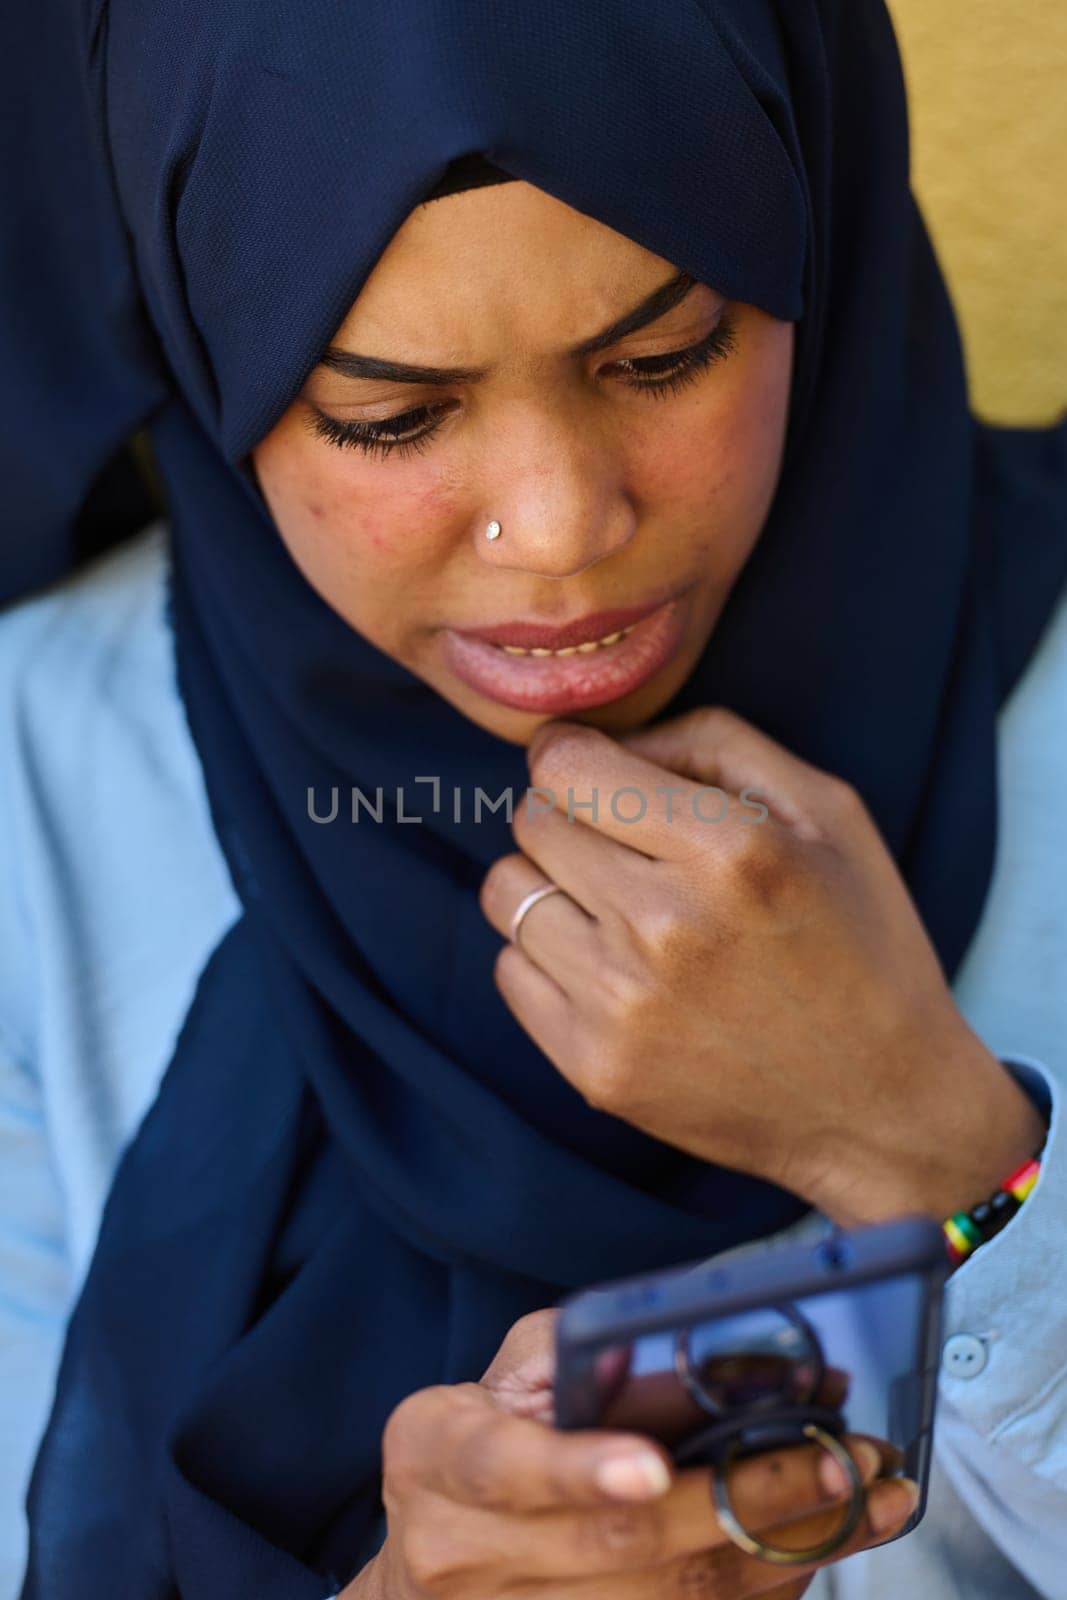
(887,1273)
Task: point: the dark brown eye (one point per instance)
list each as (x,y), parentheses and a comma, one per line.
(408,431)
(665,373)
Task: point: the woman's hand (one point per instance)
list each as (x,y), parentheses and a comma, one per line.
(742,973)
(484,1500)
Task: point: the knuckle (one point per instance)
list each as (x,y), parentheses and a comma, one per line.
(760,866)
(475,1465)
(665,931)
(842,799)
(599,1089)
(404,1441)
(720,727)
(497,881)
(634,1533)
(623,983)
(434,1553)
(607,1080)
(714,717)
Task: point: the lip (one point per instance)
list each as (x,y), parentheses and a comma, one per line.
(560,684)
(582,630)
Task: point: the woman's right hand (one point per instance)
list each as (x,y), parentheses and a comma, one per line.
(485,1501)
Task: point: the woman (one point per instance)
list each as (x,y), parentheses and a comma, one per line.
(677,364)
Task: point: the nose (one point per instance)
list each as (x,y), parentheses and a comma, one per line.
(559,497)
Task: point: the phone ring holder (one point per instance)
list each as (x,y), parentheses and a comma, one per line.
(764,1396)
(778,1554)
(799,1375)
(720,1445)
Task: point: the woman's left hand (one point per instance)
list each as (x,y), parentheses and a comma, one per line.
(756,989)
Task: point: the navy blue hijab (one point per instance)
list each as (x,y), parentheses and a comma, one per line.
(359,1171)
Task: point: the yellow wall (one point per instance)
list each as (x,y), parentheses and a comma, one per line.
(987,82)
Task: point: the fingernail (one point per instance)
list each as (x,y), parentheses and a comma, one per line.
(634,1477)
(891,1503)
(832,1475)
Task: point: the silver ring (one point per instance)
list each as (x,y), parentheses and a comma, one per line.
(694,1384)
(526,904)
(777,1554)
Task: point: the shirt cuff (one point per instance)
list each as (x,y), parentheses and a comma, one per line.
(1034,1079)
(1004,1350)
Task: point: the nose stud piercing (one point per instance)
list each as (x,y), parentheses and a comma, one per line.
(493,530)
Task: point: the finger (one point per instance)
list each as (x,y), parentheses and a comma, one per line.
(521,1376)
(686,1579)
(527,1353)
(539,1004)
(556,927)
(833,1390)
(611,1369)
(455,1441)
(724,1572)
(778,1485)
(617,1539)
(653,1402)
(713,745)
(889,1503)
(708,1564)
(693,1578)
(613,789)
(593,868)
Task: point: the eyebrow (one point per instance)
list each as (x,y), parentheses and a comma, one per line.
(650,309)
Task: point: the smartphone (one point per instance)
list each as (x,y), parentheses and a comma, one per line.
(845,1328)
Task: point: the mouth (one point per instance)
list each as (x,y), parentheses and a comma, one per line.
(583,633)
(589,662)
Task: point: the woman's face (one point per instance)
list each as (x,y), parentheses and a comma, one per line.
(633,477)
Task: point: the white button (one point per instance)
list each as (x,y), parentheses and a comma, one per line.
(964,1356)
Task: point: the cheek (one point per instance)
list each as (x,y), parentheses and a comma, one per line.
(711,463)
(343,516)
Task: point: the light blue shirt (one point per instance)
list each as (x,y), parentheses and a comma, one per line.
(115,892)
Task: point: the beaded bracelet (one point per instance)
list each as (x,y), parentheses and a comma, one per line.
(965,1231)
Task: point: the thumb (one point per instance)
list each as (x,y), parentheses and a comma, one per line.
(676,744)
(712,745)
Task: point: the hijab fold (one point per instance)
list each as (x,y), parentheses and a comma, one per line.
(359,1171)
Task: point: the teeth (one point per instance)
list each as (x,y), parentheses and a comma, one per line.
(569,649)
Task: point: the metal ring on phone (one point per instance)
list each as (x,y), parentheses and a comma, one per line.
(777,1554)
(697,1390)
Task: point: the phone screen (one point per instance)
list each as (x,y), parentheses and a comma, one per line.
(861,1352)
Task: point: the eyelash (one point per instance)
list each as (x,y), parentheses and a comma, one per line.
(375,438)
